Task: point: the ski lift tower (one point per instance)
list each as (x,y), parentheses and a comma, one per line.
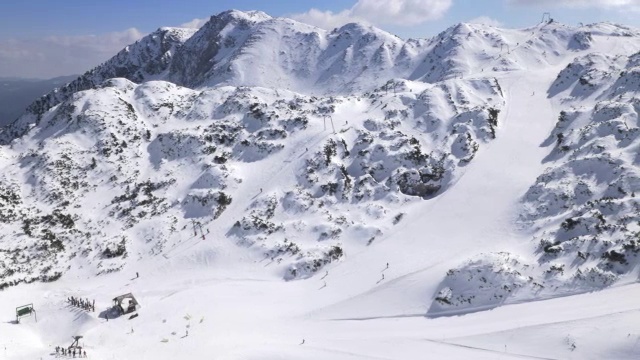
(325,122)
(76,342)
(197,225)
(546,16)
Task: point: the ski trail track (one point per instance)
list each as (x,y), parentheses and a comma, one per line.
(439,231)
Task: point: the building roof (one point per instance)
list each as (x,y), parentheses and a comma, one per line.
(126,296)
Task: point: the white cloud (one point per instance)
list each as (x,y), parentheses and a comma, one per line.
(379,12)
(61,55)
(604,4)
(400,12)
(326,19)
(194,24)
(485,20)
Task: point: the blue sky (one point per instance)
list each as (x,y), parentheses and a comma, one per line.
(44,38)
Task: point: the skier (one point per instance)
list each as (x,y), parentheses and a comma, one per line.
(74,352)
(137,275)
(302,342)
(85,353)
(387,265)
(382,276)
(260,189)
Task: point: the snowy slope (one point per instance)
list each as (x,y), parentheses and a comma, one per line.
(157,157)
(273,182)
(571,255)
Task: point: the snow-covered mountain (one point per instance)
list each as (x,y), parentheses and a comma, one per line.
(482,166)
(253,49)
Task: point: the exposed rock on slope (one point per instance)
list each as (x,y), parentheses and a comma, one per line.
(122,170)
(584,206)
(586,200)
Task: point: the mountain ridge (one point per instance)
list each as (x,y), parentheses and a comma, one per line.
(410,59)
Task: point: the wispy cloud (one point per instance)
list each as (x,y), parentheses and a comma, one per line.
(195,23)
(603,4)
(378,12)
(486,21)
(59,55)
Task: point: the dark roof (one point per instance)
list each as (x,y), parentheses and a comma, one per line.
(126,296)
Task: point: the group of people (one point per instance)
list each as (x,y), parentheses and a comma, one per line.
(71,351)
(84,304)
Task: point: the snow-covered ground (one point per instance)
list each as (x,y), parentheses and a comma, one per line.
(231,315)
(419,229)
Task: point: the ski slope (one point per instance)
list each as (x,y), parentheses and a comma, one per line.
(225,292)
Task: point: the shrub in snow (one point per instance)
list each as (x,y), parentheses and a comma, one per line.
(311,263)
